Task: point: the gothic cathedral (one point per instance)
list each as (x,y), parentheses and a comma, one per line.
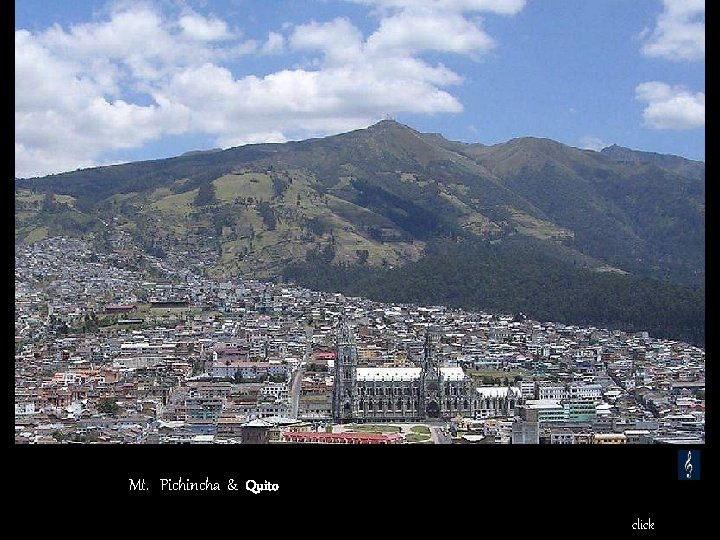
(398,394)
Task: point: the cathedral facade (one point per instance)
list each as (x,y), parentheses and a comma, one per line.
(401,394)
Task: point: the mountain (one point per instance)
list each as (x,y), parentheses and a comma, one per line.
(379,202)
(676,164)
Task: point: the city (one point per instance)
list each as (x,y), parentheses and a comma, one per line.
(103,354)
(302,224)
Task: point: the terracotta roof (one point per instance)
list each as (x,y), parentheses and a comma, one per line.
(323,436)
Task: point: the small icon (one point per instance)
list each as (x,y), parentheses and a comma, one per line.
(689,465)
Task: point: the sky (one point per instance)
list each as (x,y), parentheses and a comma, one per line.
(99,83)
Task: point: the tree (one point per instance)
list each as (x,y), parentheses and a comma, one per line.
(48,202)
(279,185)
(268,215)
(363,255)
(108,406)
(206,195)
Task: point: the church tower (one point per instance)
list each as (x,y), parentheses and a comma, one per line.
(430,379)
(345,374)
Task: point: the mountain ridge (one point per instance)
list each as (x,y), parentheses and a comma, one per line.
(378,197)
(614,151)
(669,162)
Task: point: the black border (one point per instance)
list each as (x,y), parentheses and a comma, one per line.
(558,483)
(499,489)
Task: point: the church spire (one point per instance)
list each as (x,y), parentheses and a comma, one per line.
(429,359)
(430,398)
(346,359)
(344,334)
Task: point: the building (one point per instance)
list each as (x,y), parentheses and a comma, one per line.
(527,388)
(341,438)
(315,407)
(120,308)
(638,436)
(580,409)
(546,391)
(609,438)
(255,432)
(247,370)
(495,401)
(585,391)
(524,432)
(543,410)
(277,390)
(404,394)
(570,436)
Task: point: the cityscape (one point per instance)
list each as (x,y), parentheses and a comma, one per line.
(104,354)
(294,225)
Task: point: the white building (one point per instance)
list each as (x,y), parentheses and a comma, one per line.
(277,390)
(584,391)
(527,388)
(494,401)
(554,391)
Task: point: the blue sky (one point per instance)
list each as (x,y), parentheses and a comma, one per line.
(99,83)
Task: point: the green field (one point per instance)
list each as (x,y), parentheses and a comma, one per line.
(375,428)
(65,199)
(178,204)
(36,234)
(416,437)
(233,186)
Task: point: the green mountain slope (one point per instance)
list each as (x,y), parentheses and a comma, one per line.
(376,197)
(676,164)
(520,275)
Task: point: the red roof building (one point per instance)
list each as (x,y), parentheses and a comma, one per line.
(340,438)
(119,308)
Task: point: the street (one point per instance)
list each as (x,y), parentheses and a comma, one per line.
(295,391)
(298,375)
(437,435)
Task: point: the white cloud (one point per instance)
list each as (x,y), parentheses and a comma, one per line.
(413,26)
(410,32)
(591,142)
(141,41)
(142,73)
(261,137)
(339,40)
(501,7)
(38,160)
(275,43)
(200,28)
(679,33)
(671,107)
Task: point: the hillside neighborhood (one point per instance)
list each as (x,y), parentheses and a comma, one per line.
(103,354)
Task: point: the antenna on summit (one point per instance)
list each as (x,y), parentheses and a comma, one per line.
(389,117)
